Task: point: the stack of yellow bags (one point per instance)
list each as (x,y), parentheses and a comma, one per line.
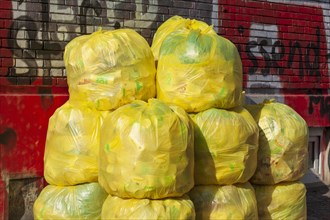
(202,73)
(105,70)
(161,133)
(282,161)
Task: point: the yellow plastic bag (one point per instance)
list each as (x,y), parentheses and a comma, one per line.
(72,145)
(225,202)
(198,70)
(147,151)
(107,69)
(173,24)
(283,143)
(281,201)
(70,202)
(173,208)
(226,145)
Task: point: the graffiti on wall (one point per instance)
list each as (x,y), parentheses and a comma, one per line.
(323,103)
(43,37)
(267,55)
(284,50)
(40,30)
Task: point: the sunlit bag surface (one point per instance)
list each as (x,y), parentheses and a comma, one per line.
(173,24)
(147,151)
(70,202)
(72,145)
(173,208)
(198,69)
(283,143)
(224,202)
(107,69)
(282,201)
(226,145)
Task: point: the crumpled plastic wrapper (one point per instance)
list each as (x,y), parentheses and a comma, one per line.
(172,208)
(173,24)
(283,143)
(108,69)
(225,202)
(226,145)
(281,201)
(198,69)
(147,151)
(70,202)
(72,145)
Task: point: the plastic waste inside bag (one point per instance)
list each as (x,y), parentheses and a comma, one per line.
(198,69)
(147,151)
(107,69)
(70,202)
(172,208)
(72,145)
(283,143)
(281,201)
(173,24)
(226,145)
(225,202)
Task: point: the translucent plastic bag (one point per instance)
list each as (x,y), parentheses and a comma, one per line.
(147,151)
(107,69)
(72,145)
(70,202)
(173,208)
(225,202)
(226,145)
(173,24)
(283,143)
(282,201)
(198,70)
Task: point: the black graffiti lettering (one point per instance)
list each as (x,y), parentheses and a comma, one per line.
(293,48)
(239,46)
(278,56)
(26,56)
(43,42)
(265,55)
(326,107)
(86,6)
(254,68)
(48,100)
(306,56)
(47,44)
(313,68)
(313,100)
(324,103)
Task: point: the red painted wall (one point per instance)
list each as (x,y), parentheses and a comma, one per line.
(23,127)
